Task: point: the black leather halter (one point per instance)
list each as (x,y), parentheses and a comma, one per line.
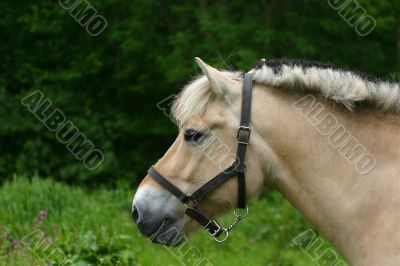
(236,169)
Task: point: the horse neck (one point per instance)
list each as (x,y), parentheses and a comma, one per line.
(330,190)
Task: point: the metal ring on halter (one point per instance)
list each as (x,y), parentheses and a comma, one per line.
(244,164)
(186,204)
(239,215)
(226,233)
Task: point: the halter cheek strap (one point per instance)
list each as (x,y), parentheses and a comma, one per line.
(238,169)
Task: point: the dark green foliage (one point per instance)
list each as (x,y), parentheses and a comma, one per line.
(109,85)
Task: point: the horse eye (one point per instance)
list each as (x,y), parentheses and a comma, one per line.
(192,135)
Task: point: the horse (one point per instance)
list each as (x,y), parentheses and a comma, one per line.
(326,138)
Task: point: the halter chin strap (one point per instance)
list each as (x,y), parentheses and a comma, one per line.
(238,169)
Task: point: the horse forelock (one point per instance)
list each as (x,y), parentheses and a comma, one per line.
(195,97)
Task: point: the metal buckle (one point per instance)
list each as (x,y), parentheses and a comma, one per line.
(216,231)
(247,137)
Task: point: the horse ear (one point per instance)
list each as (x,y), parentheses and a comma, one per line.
(222,85)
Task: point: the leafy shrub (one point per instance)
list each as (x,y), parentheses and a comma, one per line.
(108,85)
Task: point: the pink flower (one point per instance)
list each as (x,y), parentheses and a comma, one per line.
(42,215)
(15,243)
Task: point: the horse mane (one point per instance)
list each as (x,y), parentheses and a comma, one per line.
(343,86)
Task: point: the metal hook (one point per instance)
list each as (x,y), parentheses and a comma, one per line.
(239,215)
(226,233)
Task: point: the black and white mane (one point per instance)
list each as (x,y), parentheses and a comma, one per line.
(340,85)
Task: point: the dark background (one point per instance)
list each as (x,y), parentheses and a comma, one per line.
(109,85)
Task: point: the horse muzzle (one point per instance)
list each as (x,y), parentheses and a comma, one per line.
(162,225)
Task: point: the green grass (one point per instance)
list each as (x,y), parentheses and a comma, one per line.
(94,228)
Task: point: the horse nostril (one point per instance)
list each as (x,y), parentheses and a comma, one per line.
(135,215)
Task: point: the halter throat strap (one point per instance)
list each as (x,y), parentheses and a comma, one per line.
(238,169)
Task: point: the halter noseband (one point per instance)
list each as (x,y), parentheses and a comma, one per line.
(236,169)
